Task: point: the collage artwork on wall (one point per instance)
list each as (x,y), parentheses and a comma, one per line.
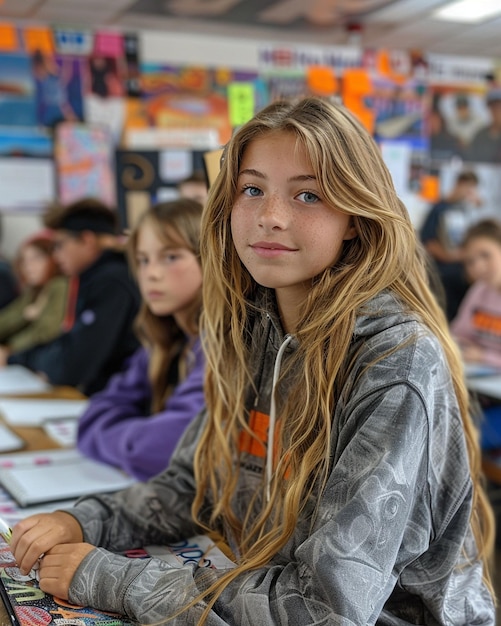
(81,114)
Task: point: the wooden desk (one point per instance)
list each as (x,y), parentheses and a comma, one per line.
(34,436)
(37,439)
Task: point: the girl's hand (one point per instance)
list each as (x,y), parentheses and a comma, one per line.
(58,566)
(37,535)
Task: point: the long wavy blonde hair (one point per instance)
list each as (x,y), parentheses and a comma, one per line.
(177,223)
(352,176)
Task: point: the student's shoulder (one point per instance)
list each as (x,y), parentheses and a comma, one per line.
(396,340)
(111,268)
(56,284)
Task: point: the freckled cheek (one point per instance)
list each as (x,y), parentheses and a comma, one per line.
(240,228)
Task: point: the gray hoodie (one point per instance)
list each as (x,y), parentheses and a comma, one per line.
(391,543)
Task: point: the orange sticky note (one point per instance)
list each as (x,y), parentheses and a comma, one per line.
(385,68)
(8,38)
(430,188)
(321,80)
(357,86)
(38,39)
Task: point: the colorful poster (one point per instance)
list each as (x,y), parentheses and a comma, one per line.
(9,41)
(400,111)
(191,98)
(144,176)
(27,184)
(17,91)
(23,141)
(84,163)
(184,112)
(458,112)
(58,88)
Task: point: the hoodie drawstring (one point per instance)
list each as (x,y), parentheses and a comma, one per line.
(273,416)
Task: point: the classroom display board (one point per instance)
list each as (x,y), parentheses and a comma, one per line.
(89,90)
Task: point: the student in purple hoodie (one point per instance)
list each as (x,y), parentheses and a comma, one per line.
(136,421)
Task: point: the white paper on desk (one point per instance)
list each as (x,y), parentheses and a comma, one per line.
(12,513)
(63,431)
(16,379)
(36,411)
(9,440)
(54,475)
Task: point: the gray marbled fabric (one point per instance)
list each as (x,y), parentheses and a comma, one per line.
(391,543)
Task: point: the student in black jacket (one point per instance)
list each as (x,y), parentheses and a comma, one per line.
(97,334)
(8,284)
(8,287)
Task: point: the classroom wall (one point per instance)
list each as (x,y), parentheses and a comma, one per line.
(155,46)
(186,49)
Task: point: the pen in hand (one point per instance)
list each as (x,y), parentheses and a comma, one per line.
(6,534)
(5,531)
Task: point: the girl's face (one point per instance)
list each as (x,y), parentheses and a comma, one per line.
(169,276)
(284,232)
(35,266)
(482,260)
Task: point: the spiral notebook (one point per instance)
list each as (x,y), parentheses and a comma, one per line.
(54,475)
(27,605)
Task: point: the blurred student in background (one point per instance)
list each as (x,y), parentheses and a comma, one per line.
(8,283)
(35,316)
(486,144)
(97,334)
(8,287)
(477,326)
(136,421)
(443,231)
(194,187)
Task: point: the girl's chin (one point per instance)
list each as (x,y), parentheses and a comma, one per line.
(159,310)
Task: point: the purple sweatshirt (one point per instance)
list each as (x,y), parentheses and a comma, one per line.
(117,428)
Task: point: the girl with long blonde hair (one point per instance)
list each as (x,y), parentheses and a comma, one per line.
(337,458)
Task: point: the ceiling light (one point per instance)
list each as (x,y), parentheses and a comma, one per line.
(470,11)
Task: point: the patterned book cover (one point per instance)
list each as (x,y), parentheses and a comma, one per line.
(28,605)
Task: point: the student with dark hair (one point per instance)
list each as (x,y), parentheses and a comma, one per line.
(8,284)
(443,230)
(103,300)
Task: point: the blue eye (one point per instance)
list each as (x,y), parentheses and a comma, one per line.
(170,258)
(309,197)
(251,191)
